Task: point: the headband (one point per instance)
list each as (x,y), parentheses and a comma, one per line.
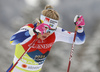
(51,22)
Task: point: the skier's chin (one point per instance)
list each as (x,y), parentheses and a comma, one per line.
(43,37)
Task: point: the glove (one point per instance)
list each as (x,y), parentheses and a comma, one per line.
(42,28)
(79,21)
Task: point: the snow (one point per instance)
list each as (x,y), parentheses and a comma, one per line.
(33,3)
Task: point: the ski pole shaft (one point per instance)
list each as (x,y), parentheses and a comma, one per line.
(72,49)
(22,56)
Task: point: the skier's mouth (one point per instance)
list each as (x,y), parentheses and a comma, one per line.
(44,36)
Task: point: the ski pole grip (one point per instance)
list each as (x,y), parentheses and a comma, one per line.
(76,28)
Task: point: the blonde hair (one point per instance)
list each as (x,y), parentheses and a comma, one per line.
(49,12)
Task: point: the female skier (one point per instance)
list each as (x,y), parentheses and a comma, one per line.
(40,37)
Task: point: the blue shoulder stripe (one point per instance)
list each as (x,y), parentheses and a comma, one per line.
(19,37)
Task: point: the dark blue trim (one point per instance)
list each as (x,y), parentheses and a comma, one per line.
(35,25)
(9,67)
(81,36)
(36,53)
(63,30)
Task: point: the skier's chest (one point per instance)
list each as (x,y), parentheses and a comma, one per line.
(38,44)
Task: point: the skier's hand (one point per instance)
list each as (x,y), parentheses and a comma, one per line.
(42,28)
(79,21)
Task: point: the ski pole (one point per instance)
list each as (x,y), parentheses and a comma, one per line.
(72,49)
(24,54)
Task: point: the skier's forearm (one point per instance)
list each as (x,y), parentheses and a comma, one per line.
(21,35)
(80,38)
(79,22)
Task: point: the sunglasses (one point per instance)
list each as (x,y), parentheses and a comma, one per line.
(50,30)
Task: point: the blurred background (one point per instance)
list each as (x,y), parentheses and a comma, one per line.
(86,58)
